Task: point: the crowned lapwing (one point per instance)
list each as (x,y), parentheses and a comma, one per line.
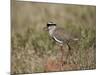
(60,36)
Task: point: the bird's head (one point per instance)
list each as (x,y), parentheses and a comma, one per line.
(50,26)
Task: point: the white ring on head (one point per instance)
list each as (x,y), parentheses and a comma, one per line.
(50,23)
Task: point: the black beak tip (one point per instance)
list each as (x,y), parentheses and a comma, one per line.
(45,29)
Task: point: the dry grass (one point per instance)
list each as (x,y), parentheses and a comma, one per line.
(32,48)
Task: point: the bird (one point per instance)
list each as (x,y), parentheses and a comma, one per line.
(59,35)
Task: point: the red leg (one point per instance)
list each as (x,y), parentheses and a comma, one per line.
(62,57)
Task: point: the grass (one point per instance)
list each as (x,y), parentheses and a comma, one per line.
(32,48)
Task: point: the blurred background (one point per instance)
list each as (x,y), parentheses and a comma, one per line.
(32,50)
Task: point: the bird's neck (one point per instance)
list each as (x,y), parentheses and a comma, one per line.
(51,31)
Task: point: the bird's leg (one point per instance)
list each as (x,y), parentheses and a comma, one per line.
(69,49)
(62,51)
(62,56)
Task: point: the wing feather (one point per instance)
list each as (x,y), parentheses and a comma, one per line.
(61,35)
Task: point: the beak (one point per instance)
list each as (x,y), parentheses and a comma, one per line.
(45,28)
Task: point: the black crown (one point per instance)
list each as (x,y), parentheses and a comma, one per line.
(51,24)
